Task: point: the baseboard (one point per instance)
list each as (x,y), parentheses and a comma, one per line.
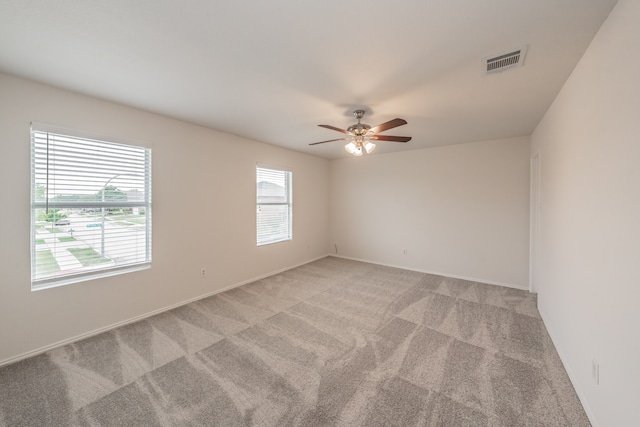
(438,273)
(144,316)
(581,396)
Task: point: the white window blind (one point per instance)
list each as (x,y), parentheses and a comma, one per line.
(90,208)
(274,206)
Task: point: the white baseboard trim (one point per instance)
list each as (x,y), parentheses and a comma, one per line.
(144,316)
(454,276)
(581,396)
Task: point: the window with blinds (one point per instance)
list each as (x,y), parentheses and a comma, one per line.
(90,208)
(274,206)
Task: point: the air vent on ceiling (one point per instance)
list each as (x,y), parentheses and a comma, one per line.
(504,61)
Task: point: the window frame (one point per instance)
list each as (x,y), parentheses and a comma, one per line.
(288,178)
(68,276)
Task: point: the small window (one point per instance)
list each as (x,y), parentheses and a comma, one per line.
(90,208)
(273,217)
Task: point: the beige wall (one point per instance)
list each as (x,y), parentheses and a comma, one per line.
(460,210)
(589,293)
(203,216)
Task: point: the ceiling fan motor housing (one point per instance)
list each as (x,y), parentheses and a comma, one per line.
(359,129)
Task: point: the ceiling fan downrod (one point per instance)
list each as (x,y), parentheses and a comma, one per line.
(359,128)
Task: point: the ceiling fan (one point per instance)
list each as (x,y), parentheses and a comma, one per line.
(362,134)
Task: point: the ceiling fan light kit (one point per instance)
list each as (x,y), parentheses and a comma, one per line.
(358,149)
(361,134)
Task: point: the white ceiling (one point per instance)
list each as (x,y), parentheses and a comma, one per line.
(274,70)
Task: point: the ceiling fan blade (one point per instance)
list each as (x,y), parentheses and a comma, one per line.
(391,138)
(335,128)
(388,125)
(331,140)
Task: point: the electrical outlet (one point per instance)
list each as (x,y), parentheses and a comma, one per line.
(595,371)
(203,272)
(404,251)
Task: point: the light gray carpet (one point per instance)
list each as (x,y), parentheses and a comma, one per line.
(330,343)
